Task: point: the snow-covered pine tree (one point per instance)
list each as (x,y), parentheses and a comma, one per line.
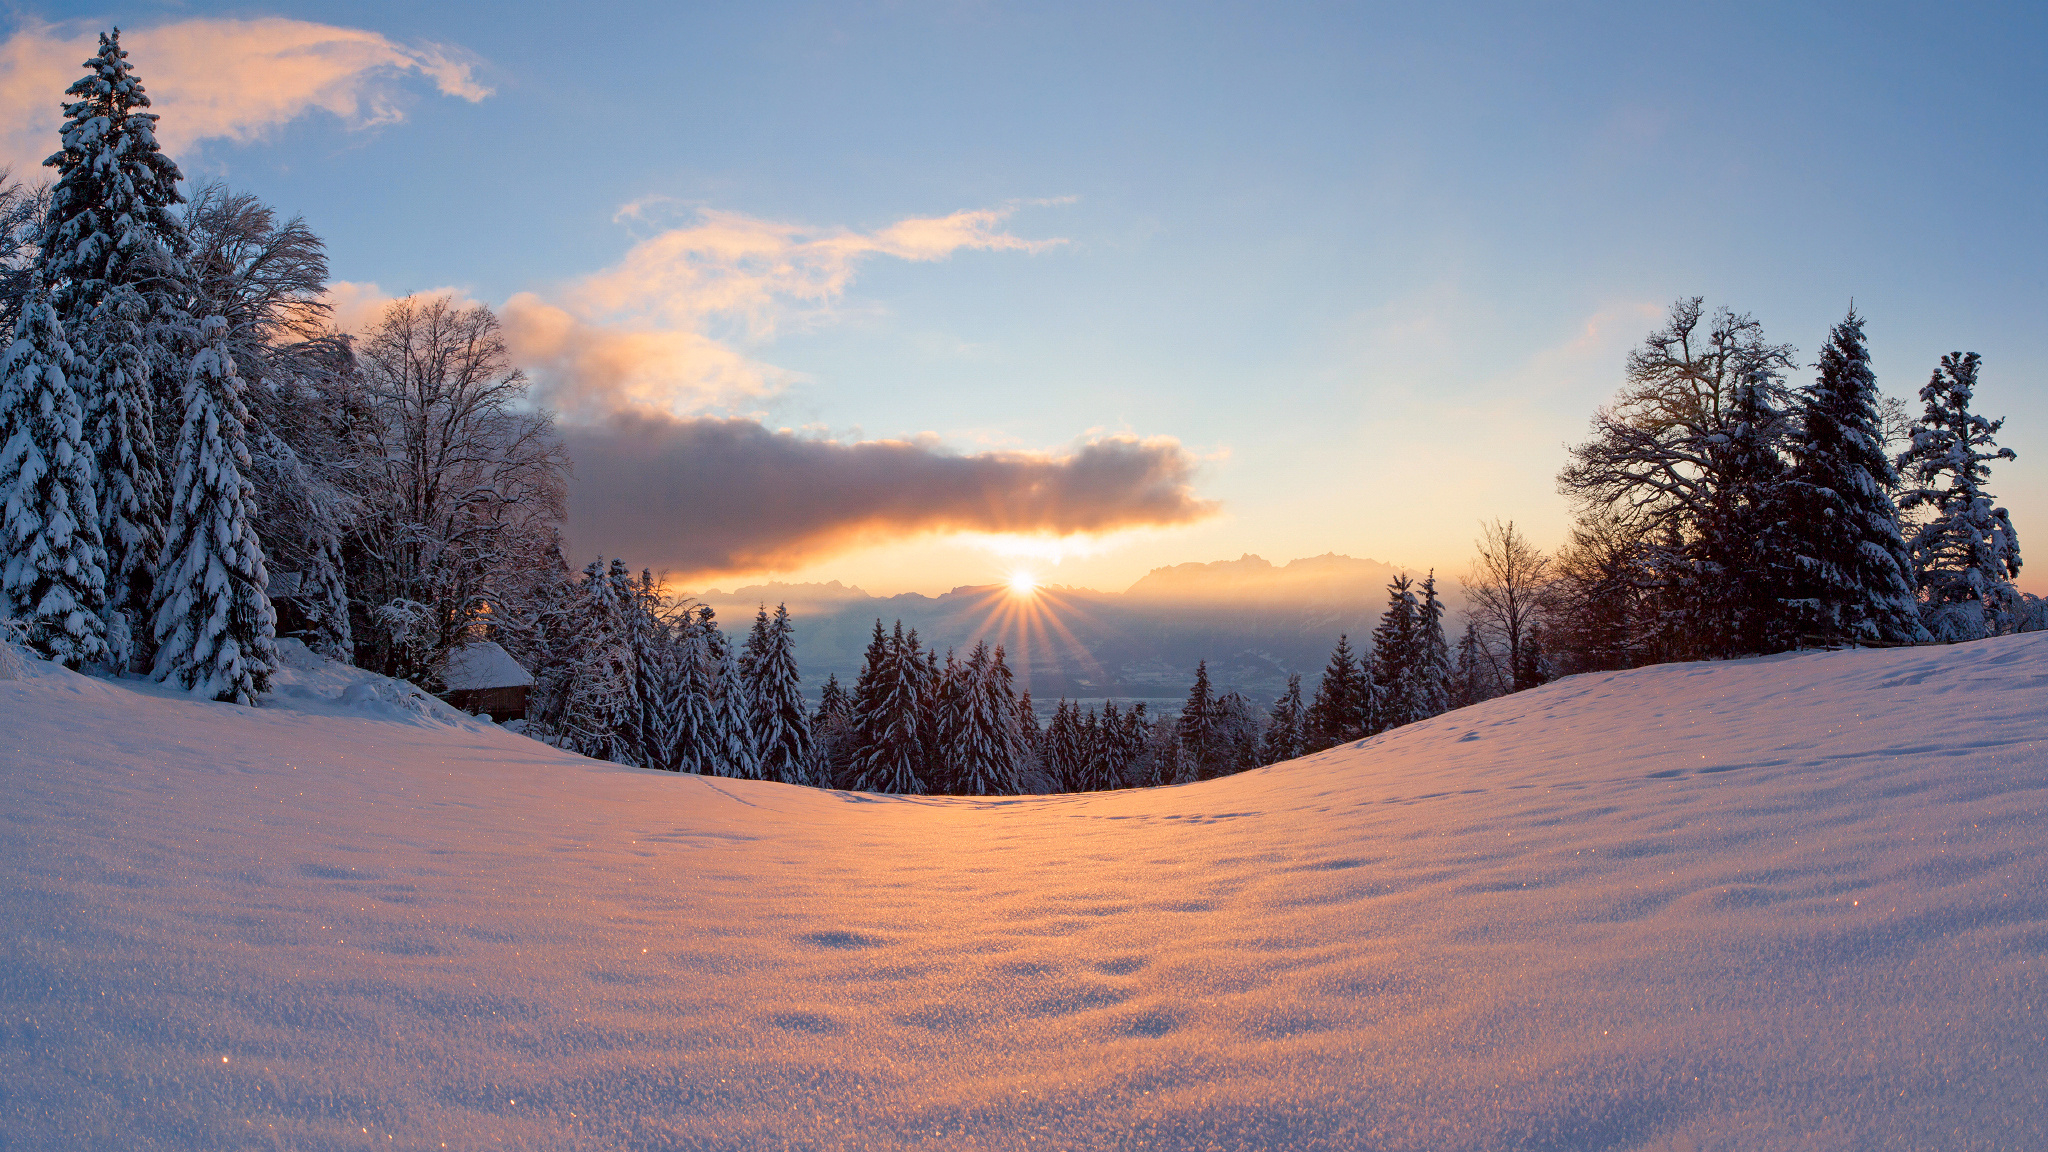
(214,625)
(831,734)
(1201,729)
(1852,563)
(286,493)
(946,699)
(1239,728)
(1114,750)
(1089,736)
(888,711)
(782,731)
(1285,737)
(735,750)
(1065,754)
(52,564)
(1339,711)
(1966,553)
(1396,657)
(693,733)
(111,252)
(1433,665)
(1474,676)
(991,752)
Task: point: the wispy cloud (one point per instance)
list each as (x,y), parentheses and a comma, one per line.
(220,79)
(706,497)
(665,329)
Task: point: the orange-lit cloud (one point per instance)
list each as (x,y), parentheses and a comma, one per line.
(708,496)
(663,329)
(221,79)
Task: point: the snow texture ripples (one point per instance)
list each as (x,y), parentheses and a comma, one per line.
(1796,902)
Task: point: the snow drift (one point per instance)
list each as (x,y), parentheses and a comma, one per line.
(1786,903)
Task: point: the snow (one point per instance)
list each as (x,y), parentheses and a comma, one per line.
(1796,902)
(483,664)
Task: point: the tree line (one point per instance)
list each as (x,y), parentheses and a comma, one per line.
(194,462)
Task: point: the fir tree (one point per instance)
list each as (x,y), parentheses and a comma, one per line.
(1433,669)
(52,565)
(831,734)
(734,751)
(888,712)
(1966,553)
(991,751)
(111,252)
(781,729)
(693,734)
(1397,657)
(1473,677)
(1201,730)
(1286,738)
(1853,565)
(1340,709)
(214,623)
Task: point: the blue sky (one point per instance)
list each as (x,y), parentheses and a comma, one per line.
(1373,268)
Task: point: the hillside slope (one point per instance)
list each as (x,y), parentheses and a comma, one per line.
(1785,903)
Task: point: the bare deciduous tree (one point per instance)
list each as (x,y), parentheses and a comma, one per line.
(1507,587)
(464,484)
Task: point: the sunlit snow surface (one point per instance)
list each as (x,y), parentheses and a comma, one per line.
(1788,903)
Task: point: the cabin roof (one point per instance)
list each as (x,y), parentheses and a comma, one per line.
(482,664)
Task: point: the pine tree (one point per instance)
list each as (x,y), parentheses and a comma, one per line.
(734,751)
(112,251)
(52,564)
(693,735)
(1339,711)
(991,750)
(1066,752)
(831,735)
(1966,554)
(214,623)
(1200,729)
(1286,738)
(1473,677)
(1433,667)
(1397,657)
(781,728)
(1853,566)
(888,711)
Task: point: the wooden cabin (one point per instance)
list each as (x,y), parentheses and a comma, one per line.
(484,680)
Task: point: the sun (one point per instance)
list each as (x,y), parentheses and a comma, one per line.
(1023,584)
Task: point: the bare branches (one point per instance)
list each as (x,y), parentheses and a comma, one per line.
(1507,587)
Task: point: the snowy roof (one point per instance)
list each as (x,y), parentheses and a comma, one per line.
(483,665)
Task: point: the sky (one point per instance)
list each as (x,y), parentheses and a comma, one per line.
(913,295)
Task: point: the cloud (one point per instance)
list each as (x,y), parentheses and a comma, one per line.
(708,496)
(217,79)
(662,329)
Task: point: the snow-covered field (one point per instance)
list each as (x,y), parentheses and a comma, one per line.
(1785,903)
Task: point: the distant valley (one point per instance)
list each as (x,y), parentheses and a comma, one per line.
(1253,621)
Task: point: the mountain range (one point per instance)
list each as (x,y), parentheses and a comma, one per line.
(1253,621)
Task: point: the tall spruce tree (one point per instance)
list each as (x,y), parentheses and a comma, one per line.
(1966,553)
(52,564)
(735,750)
(214,623)
(1433,669)
(781,729)
(1342,704)
(112,251)
(1201,729)
(991,751)
(1285,736)
(888,715)
(1852,561)
(1396,662)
